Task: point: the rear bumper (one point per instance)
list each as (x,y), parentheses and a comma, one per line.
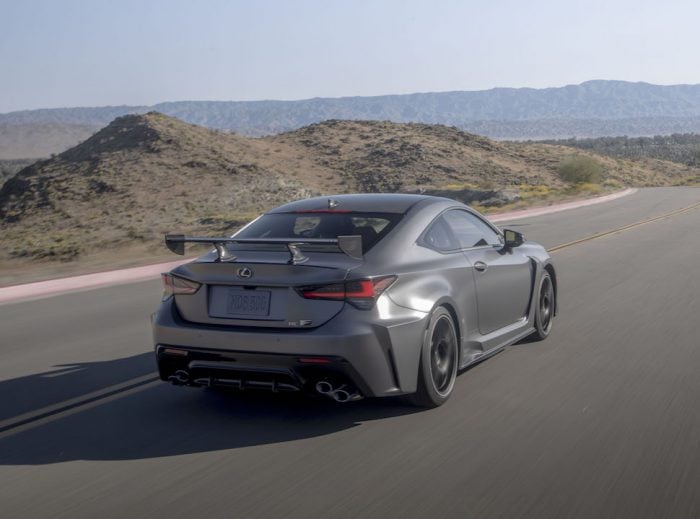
(377,351)
(244,370)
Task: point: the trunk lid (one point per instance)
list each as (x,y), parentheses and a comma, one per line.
(259,289)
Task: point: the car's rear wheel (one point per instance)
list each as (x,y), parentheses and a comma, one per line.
(544,312)
(439,361)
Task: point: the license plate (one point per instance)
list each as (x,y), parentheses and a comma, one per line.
(248,302)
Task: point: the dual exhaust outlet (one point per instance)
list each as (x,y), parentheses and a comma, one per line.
(341,394)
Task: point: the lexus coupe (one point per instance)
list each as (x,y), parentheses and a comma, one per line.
(352,296)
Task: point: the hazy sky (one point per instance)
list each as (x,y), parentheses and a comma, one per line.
(96,52)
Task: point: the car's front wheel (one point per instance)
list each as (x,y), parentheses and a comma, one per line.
(544,311)
(439,361)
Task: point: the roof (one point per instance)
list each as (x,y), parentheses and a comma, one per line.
(364,202)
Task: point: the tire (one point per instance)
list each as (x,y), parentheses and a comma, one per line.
(544,309)
(439,361)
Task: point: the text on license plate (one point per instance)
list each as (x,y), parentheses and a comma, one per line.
(247,302)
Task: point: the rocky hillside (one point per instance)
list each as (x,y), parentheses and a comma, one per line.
(591,109)
(144,175)
(9,168)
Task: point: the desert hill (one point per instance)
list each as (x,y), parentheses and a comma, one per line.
(591,109)
(143,175)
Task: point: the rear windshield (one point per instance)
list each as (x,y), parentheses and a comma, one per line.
(371,226)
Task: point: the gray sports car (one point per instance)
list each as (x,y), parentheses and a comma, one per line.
(352,296)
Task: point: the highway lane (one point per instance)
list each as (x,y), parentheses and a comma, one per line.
(598,421)
(61,347)
(558,228)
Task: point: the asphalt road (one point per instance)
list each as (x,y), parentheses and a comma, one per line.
(601,420)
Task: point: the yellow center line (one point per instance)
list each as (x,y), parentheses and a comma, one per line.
(624,228)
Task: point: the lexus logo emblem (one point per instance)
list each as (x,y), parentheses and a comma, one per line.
(244,272)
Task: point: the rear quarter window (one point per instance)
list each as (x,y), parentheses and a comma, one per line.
(439,237)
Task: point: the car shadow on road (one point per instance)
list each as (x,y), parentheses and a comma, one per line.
(67,381)
(162,420)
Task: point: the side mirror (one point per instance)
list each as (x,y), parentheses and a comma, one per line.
(513,238)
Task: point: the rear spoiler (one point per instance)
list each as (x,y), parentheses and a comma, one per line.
(350,245)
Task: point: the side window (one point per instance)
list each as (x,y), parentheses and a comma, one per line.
(439,237)
(470,230)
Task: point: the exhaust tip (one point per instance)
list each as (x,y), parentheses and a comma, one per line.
(324,387)
(340,395)
(180,377)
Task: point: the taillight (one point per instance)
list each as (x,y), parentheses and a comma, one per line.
(174,285)
(361,293)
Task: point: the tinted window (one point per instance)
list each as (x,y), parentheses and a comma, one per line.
(470,230)
(371,226)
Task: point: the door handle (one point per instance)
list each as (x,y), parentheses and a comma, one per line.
(481,266)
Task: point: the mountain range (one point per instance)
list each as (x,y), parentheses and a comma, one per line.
(591,109)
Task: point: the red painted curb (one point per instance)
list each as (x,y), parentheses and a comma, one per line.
(539,211)
(115,277)
(85,281)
